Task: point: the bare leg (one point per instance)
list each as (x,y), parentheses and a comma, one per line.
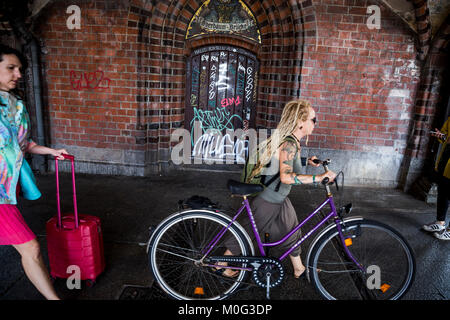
(35,269)
(299,268)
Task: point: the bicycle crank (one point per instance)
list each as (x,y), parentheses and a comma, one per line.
(266,272)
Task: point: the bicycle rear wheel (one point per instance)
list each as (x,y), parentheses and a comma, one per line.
(387,259)
(178,244)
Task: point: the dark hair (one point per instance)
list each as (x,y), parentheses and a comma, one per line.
(8,50)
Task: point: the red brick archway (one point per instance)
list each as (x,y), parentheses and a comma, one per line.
(285,29)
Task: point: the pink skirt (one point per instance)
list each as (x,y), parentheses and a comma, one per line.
(13,229)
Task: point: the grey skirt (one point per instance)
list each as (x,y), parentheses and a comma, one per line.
(276,219)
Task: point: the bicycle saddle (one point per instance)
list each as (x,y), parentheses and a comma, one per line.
(243,189)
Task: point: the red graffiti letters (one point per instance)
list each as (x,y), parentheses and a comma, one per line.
(230,101)
(89,80)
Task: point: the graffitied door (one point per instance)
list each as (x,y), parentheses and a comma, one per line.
(220,99)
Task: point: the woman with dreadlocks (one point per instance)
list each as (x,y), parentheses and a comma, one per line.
(272,209)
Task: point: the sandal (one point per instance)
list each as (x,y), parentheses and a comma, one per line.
(301,276)
(304,274)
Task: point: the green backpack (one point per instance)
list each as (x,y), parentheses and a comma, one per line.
(260,178)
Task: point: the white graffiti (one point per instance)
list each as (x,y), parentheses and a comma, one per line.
(249,85)
(212,83)
(213,146)
(222,84)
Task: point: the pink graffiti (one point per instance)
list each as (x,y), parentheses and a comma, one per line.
(89,80)
(225,102)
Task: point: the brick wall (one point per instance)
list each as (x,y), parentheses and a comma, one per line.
(91,83)
(362,82)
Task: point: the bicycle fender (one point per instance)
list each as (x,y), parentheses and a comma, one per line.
(217,213)
(320,235)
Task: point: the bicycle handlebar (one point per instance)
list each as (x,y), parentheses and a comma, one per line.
(325,164)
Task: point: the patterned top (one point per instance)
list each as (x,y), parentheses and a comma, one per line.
(14,138)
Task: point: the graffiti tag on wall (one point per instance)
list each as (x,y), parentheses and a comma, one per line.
(89,80)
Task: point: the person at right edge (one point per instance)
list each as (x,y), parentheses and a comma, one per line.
(442,168)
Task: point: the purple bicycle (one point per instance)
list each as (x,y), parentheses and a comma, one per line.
(350,258)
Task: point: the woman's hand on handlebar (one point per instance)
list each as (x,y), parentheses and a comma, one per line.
(328,174)
(313,161)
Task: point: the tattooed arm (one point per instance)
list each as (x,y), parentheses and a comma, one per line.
(287,174)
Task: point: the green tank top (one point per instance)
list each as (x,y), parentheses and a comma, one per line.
(277,191)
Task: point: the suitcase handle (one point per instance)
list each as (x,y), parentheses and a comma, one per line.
(72,160)
(67,156)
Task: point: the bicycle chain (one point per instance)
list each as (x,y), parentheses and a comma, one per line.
(256,263)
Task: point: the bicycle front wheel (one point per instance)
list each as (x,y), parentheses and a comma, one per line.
(386,258)
(177,246)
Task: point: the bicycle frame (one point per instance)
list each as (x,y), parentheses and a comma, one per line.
(333,214)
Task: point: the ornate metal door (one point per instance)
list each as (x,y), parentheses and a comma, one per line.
(220,99)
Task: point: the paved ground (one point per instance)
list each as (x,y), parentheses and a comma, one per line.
(128,206)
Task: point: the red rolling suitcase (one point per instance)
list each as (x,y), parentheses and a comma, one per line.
(74,240)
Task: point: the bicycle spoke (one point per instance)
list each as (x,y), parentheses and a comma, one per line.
(176,248)
(373,245)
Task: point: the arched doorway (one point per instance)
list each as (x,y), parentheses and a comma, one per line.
(221,83)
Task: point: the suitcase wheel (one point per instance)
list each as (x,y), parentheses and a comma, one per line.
(90,283)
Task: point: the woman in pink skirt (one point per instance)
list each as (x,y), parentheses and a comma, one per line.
(14,142)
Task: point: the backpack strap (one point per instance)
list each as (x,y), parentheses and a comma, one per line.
(277,175)
(292,138)
(268,183)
